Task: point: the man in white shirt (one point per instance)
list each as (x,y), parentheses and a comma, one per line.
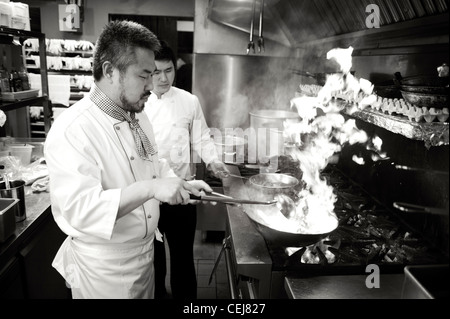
(106,179)
(179,123)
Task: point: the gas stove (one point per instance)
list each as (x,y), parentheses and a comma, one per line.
(368,233)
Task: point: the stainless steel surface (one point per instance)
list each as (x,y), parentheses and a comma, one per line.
(419,209)
(231,274)
(16,190)
(236,176)
(227,200)
(433,134)
(344,287)
(7,217)
(292,22)
(242,87)
(269,127)
(249,253)
(426,282)
(212,217)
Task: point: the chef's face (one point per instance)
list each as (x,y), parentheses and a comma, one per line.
(136,83)
(163,77)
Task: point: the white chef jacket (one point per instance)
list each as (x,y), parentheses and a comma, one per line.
(178,121)
(91,157)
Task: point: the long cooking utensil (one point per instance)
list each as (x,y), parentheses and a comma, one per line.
(231,200)
(412,208)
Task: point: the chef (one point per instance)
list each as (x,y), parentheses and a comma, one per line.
(106,181)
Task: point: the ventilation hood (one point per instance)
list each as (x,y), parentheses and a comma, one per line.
(296,22)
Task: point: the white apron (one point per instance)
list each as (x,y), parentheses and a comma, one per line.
(122,271)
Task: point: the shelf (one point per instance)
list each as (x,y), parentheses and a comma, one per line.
(22,33)
(433,134)
(9,106)
(40,100)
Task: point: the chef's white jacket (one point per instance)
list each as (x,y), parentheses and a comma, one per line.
(178,121)
(90,158)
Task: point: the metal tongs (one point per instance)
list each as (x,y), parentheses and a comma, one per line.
(221,198)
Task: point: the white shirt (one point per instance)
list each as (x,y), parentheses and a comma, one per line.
(178,121)
(90,158)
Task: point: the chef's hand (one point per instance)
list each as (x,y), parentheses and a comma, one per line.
(174,190)
(202,187)
(218,169)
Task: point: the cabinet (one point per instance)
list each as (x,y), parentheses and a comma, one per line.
(26,270)
(17,37)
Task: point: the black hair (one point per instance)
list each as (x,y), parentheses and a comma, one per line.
(166,54)
(117,44)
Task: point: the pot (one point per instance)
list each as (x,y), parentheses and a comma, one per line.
(267,185)
(268,126)
(231,149)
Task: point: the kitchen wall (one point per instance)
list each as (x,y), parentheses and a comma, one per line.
(96,14)
(228,81)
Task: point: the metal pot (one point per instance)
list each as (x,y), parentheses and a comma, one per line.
(265,186)
(231,149)
(268,126)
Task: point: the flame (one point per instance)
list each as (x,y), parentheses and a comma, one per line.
(319,136)
(327,131)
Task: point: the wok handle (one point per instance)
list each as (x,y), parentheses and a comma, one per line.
(411,208)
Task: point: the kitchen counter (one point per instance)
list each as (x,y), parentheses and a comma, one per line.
(344,287)
(252,263)
(26,257)
(37,207)
(250,251)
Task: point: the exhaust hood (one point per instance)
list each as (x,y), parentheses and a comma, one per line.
(296,22)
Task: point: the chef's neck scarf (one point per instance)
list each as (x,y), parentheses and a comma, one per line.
(143,145)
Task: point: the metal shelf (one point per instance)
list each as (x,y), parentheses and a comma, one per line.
(42,100)
(433,134)
(9,106)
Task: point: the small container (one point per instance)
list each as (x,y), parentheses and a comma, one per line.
(16,190)
(22,151)
(7,217)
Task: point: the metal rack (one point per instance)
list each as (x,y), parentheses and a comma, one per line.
(43,99)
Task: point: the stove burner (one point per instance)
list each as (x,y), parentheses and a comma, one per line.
(368,233)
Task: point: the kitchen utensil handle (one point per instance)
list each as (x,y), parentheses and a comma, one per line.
(411,208)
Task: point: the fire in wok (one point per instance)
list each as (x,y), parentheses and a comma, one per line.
(302,228)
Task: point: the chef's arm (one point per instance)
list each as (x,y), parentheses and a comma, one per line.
(171,190)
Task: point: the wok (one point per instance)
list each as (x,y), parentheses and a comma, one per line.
(428,100)
(268,220)
(424,91)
